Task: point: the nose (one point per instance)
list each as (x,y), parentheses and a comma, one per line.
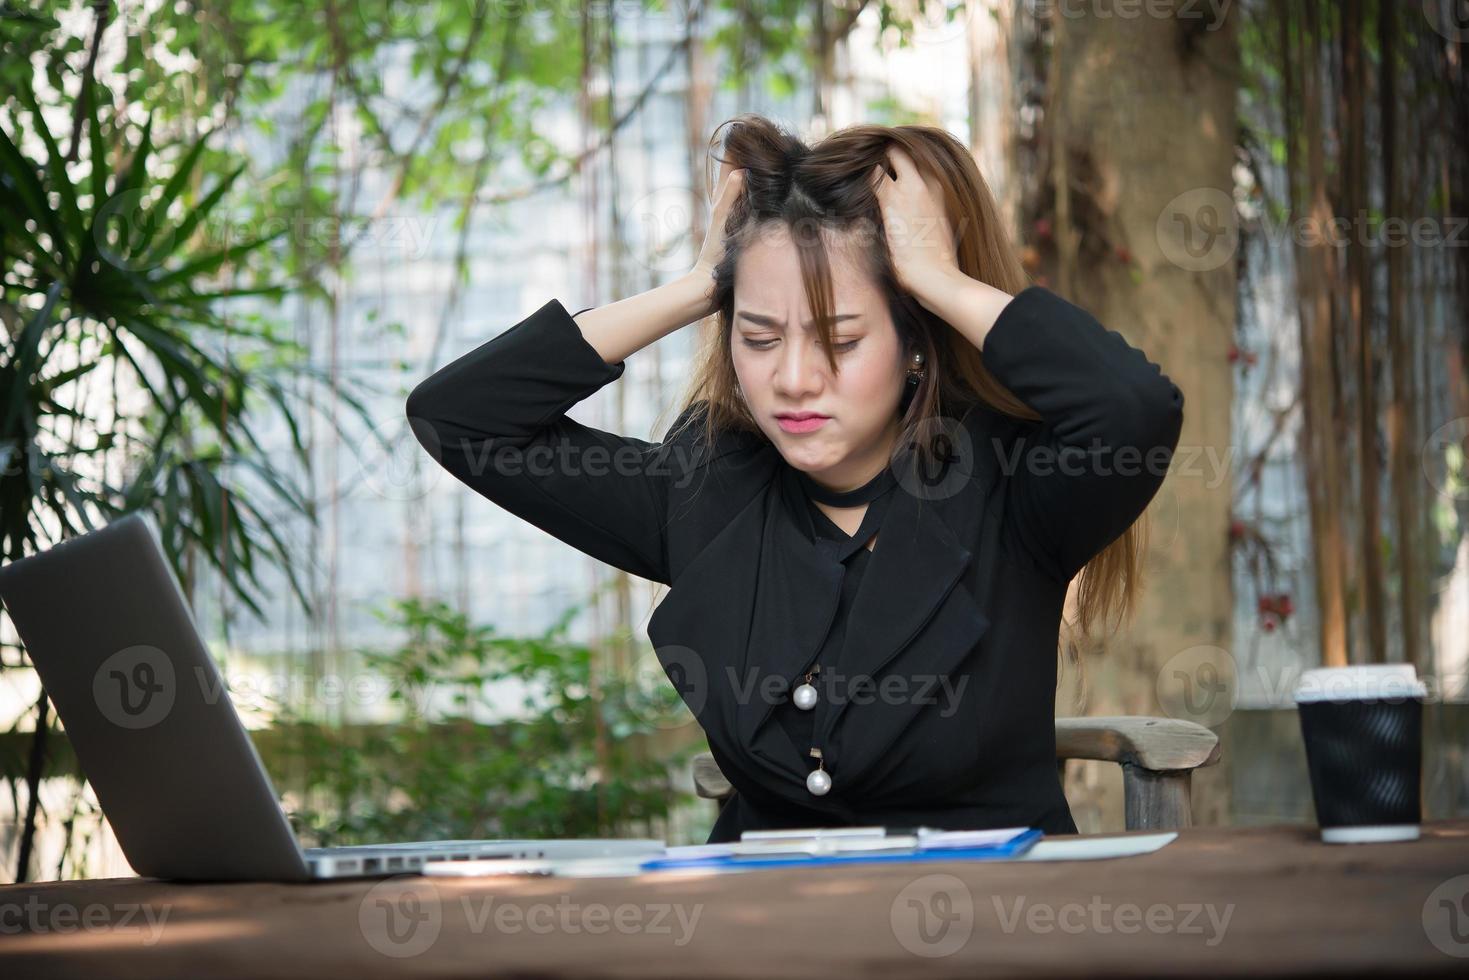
(802,367)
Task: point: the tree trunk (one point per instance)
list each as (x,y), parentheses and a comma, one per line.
(1403,437)
(1142,164)
(1324,474)
(1361,310)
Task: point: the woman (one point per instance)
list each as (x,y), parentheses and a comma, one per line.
(893,457)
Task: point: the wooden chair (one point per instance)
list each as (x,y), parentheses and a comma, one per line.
(1158,757)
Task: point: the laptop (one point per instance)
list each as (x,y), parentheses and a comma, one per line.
(108,629)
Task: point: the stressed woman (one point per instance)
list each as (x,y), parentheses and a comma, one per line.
(893,457)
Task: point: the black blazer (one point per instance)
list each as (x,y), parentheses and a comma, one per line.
(950,651)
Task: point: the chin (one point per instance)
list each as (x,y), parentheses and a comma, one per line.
(809,459)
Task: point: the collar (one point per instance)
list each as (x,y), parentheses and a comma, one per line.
(836,542)
(868,492)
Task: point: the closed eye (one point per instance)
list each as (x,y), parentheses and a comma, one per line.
(840,348)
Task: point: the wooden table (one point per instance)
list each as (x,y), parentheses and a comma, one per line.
(1262,900)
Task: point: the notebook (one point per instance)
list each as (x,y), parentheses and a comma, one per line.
(773,849)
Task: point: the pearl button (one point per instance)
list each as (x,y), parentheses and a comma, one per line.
(818,782)
(805,697)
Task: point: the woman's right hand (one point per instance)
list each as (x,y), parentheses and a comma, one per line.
(619,329)
(731,183)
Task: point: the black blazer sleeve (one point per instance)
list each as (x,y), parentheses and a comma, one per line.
(496,419)
(1110,420)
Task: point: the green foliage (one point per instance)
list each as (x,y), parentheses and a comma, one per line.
(101,276)
(112,279)
(442,771)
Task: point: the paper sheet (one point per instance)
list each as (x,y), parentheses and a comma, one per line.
(1090,848)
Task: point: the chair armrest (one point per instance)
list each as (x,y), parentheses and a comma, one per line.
(1156,755)
(709,781)
(1157,744)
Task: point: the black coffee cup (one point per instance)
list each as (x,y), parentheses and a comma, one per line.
(1363,729)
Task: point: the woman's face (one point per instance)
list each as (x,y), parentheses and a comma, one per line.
(783,370)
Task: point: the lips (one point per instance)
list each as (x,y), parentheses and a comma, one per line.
(801,421)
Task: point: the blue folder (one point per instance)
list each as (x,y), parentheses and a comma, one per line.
(1012,848)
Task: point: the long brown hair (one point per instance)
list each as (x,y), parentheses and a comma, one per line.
(823,192)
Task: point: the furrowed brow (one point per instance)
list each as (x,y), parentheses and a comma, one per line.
(762,320)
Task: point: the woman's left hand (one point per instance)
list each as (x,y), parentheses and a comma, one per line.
(918,231)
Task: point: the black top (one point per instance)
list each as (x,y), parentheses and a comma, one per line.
(847,551)
(947,629)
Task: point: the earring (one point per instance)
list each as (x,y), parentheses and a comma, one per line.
(916,373)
